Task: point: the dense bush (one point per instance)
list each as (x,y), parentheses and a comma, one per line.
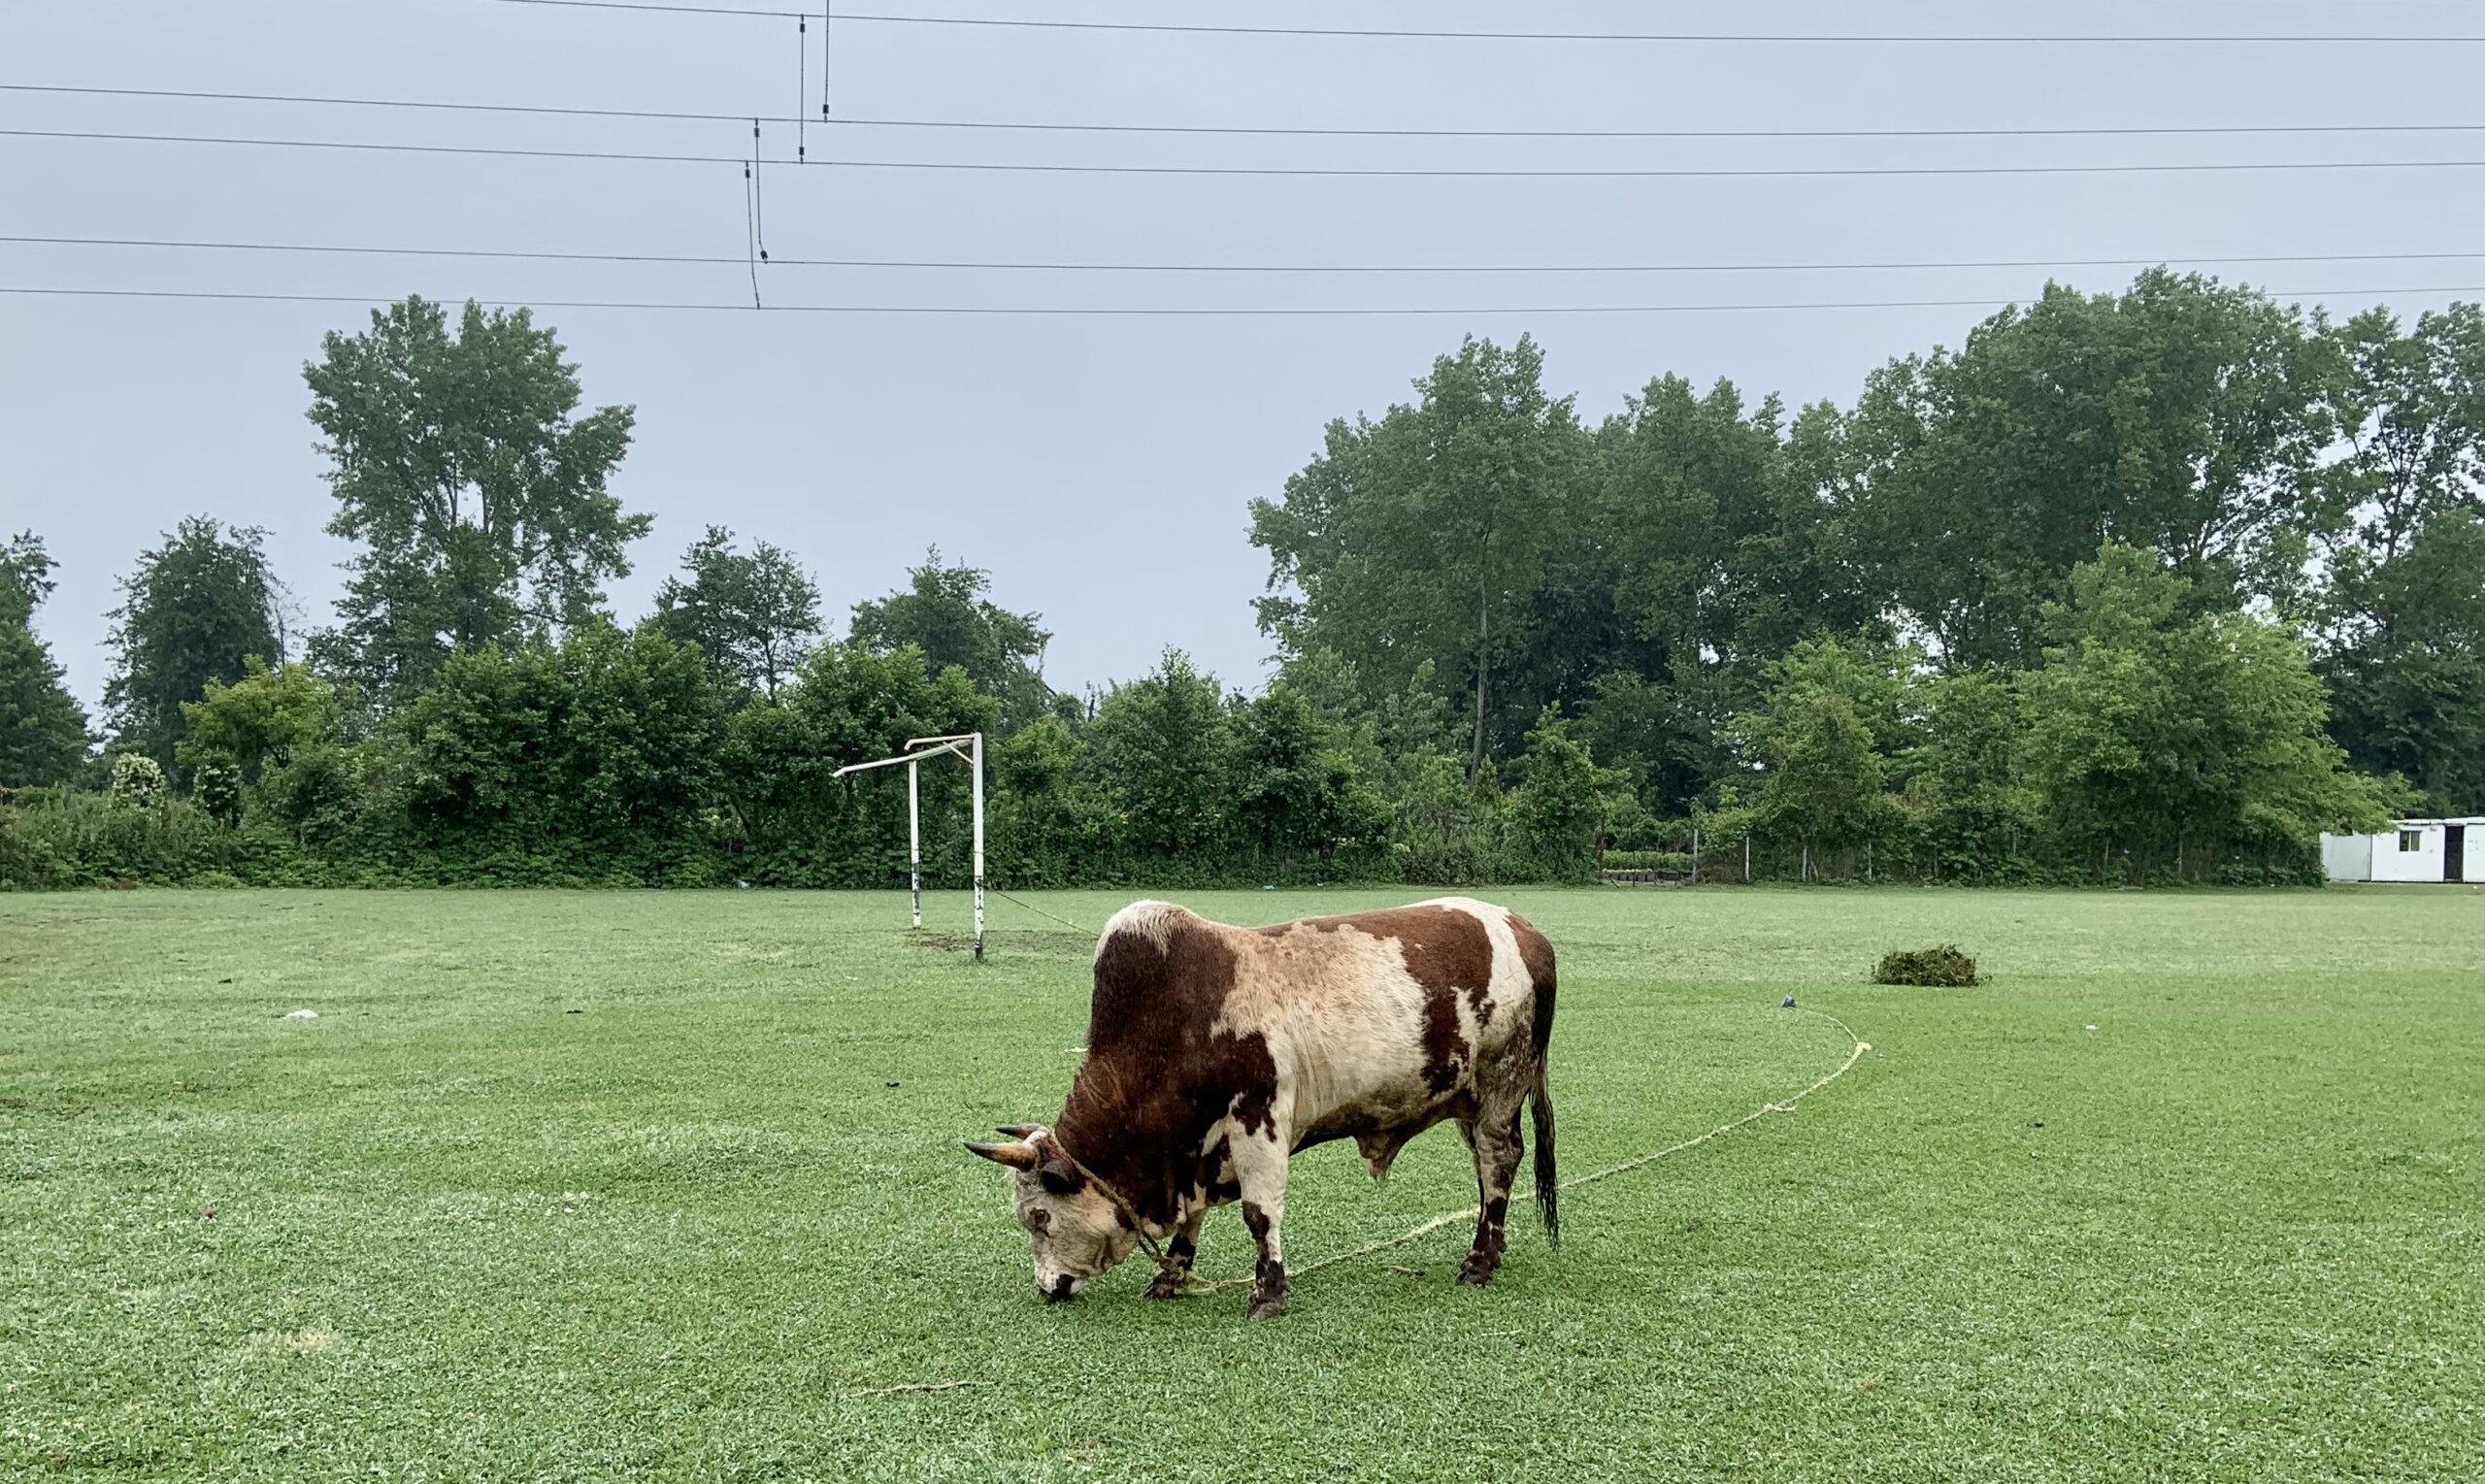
(625,758)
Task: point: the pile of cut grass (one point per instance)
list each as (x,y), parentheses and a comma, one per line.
(1944,967)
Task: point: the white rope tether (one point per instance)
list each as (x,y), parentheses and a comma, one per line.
(1469,1213)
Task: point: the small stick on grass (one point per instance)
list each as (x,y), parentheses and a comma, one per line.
(1412,1273)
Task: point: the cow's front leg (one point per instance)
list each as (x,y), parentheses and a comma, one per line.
(1181,1252)
(1259,1167)
(1498,1146)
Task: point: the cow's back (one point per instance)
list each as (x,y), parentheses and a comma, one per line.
(1360,1022)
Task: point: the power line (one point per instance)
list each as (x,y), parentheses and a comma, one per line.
(994,265)
(1401,33)
(1342,172)
(1252,130)
(1143,312)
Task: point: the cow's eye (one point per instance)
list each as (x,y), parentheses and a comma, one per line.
(1038,1220)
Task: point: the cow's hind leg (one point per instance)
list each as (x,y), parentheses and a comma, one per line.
(1260,1167)
(1182,1250)
(1496,1140)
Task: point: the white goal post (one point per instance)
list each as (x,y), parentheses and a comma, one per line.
(968,746)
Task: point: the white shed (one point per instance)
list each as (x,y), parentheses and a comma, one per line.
(2418,850)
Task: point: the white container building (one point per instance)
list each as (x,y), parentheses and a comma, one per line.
(2418,850)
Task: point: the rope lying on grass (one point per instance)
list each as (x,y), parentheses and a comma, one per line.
(1040,912)
(1203,1285)
(1469,1213)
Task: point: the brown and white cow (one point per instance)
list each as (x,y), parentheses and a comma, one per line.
(1215,1052)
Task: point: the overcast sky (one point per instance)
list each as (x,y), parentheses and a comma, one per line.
(1100,465)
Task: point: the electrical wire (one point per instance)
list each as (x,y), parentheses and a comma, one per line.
(1252,130)
(1151,311)
(1022,266)
(750,232)
(1401,33)
(2152,167)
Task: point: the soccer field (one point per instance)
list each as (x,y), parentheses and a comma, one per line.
(668,1185)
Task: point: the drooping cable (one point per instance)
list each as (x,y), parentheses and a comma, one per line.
(758,195)
(751,231)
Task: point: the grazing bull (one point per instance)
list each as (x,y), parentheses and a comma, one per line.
(1215,1052)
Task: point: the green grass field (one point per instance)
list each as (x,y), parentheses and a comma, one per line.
(604,1185)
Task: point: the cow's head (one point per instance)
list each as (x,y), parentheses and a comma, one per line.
(1075,1230)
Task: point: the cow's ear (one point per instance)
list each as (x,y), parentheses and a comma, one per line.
(1021,1130)
(1017,1155)
(1060,1176)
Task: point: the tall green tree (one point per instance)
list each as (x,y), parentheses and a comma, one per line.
(2401,620)
(1963,777)
(1824,776)
(943,612)
(1053,821)
(800,824)
(1165,746)
(753,616)
(1300,801)
(2409,410)
(2405,662)
(1724,539)
(479,496)
(43,729)
(2182,414)
(1420,537)
(192,611)
(1563,803)
(25,577)
(2176,740)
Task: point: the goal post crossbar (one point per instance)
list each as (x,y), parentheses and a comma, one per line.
(967,748)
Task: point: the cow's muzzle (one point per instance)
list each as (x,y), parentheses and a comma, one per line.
(1063,1288)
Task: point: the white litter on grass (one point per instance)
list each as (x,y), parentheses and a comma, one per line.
(299,1015)
(2092,1028)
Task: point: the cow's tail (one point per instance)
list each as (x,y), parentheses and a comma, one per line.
(1548,1184)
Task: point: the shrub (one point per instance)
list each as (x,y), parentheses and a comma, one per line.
(137,780)
(1646,860)
(1945,966)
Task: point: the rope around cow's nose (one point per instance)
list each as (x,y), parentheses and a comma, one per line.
(1201,1285)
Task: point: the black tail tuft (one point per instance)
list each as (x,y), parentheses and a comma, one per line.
(1547,1183)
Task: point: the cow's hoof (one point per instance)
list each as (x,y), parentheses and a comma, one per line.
(1268,1307)
(1477,1271)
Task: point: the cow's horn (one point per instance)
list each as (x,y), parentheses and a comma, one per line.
(1019,1130)
(1018,1155)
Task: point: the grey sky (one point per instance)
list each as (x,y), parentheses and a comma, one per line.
(1100,465)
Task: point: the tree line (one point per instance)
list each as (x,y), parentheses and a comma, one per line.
(2148,586)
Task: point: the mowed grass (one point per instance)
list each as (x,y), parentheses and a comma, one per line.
(604,1185)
